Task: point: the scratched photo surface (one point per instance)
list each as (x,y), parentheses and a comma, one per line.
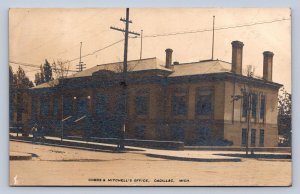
(150,97)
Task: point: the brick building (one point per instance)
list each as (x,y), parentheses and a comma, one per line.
(190,102)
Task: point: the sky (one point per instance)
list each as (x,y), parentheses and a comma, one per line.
(55,34)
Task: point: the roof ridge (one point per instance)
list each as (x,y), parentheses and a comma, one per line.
(127,61)
(203,61)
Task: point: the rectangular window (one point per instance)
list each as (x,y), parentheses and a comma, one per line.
(254,105)
(261,137)
(179,104)
(262,107)
(120,105)
(33,108)
(67,106)
(204,103)
(55,107)
(45,107)
(245,104)
(253,137)
(141,105)
(82,106)
(244,136)
(101,104)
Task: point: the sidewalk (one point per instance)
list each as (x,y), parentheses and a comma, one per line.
(182,155)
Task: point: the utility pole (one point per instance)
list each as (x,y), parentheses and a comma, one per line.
(246,95)
(141,51)
(62,118)
(249,104)
(124,81)
(81,65)
(213,40)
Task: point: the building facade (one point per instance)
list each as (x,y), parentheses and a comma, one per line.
(189,102)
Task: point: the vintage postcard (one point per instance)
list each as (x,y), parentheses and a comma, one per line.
(150,97)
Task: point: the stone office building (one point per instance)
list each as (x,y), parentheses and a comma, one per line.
(189,102)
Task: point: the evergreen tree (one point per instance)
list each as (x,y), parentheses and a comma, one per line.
(37,79)
(22,81)
(11,76)
(12,91)
(47,70)
(42,74)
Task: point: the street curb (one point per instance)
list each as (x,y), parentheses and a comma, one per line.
(194,159)
(89,147)
(240,149)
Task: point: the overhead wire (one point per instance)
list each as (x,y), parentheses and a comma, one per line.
(210,29)
(31,65)
(95,51)
(161,35)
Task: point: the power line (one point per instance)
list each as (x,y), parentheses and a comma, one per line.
(31,65)
(161,35)
(96,51)
(210,29)
(91,53)
(25,64)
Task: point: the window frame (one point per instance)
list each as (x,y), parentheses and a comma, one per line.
(70,107)
(200,92)
(34,107)
(262,116)
(55,110)
(145,103)
(253,137)
(183,93)
(244,137)
(245,102)
(262,137)
(98,102)
(254,106)
(45,104)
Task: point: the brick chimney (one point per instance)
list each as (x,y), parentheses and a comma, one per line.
(169,58)
(268,65)
(237,57)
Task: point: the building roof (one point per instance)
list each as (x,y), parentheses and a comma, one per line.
(179,70)
(201,67)
(49,84)
(134,65)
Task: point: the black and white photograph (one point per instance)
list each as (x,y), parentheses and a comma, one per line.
(150,96)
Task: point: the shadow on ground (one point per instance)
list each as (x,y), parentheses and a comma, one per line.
(229,159)
(259,156)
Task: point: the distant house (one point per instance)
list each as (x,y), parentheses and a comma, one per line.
(189,102)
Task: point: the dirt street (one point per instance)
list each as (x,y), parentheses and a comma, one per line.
(65,166)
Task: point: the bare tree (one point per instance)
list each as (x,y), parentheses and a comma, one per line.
(118,68)
(61,68)
(250,70)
